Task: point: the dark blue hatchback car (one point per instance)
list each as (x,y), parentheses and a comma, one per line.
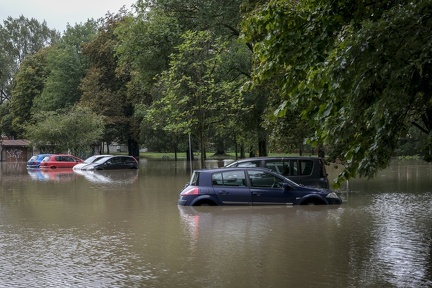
(250,186)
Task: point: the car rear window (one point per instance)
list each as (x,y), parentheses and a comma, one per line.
(194,179)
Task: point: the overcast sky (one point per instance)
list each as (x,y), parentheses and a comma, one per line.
(57,13)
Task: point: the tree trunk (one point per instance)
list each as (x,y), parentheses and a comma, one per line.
(133,148)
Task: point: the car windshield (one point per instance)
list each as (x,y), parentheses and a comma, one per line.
(291,182)
(90,159)
(94,158)
(102,160)
(33,158)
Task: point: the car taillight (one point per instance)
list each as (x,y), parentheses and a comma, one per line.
(190,191)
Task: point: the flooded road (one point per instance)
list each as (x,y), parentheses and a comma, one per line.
(124,229)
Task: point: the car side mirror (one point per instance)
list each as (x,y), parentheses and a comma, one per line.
(286,186)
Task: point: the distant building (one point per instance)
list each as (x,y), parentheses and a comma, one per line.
(15,150)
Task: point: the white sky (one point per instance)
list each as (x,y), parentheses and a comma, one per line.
(57,13)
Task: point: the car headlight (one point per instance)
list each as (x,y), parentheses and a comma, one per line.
(332,195)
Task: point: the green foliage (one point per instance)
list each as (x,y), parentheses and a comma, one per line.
(104,87)
(194,95)
(18,38)
(75,131)
(29,83)
(149,40)
(146,41)
(360,72)
(66,64)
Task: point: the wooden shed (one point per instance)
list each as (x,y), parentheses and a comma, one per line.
(15,150)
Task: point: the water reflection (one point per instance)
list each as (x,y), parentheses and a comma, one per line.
(110,177)
(57,175)
(400,241)
(124,229)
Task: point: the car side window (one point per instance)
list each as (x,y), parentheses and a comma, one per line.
(128,160)
(294,168)
(264,180)
(248,164)
(229,178)
(276,166)
(306,167)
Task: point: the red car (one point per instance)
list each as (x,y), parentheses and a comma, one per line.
(60,161)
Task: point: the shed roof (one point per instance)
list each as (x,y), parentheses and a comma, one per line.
(18,142)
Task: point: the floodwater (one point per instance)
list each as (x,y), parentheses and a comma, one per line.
(124,229)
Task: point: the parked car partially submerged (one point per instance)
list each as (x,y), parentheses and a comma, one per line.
(34,161)
(250,186)
(309,171)
(59,161)
(113,162)
(90,160)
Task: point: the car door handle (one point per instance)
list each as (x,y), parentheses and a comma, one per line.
(223,192)
(256,193)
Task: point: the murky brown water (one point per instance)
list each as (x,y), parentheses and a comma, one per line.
(124,229)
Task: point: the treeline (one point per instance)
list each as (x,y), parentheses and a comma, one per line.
(345,78)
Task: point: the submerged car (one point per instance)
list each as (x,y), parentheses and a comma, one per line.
(89,160)
(60,161)
(34,161)
(250,186)
(113,162)
(309,171)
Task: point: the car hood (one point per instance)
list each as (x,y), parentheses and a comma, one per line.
(315,190)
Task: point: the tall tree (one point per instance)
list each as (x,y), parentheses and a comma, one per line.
(67,65)
(104,85)
(18,38)
(149,39)
(28,84)
(49,79)
(359,71)
(195,95)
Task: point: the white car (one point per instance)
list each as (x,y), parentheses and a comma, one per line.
(89,160)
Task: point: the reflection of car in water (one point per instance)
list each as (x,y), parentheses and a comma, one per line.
(57,175)
(109,176)
(254,223)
